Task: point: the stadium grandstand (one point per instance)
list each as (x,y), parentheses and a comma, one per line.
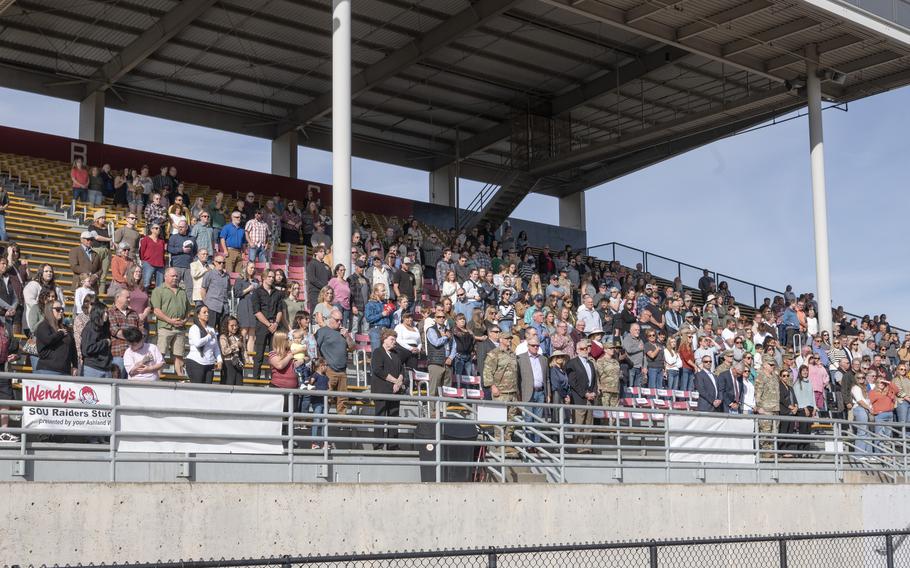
(171,320)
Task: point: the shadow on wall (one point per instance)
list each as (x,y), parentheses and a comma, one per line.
(539,234)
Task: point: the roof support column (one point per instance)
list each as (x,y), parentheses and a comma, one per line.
(341,132)
(284,154)
(91,118)
(572,211)
(819,199)
(442,186)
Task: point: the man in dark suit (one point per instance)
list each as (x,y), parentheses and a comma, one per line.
(84,260)
(583,389)
(710,389)
(533,379)
(731,382)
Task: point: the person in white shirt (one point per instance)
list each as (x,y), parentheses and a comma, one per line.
(143,361)
(471,288)
(862,411)
(729,334)
(198,268)
(706,349)
(530,333)
(82,291)
(672,363)
(408,340)
(205,353)
(590,316)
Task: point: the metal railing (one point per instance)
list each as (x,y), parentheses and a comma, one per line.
(541,439)
(670,268)
(873,549)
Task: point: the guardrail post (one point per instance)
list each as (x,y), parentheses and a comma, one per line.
(491,558)
(889,550)
(652,554)
(562,446)
(438,442)
(614,250)
(291,442)
(782,547)
(115,401)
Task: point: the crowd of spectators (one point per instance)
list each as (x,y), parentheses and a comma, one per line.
(535,325)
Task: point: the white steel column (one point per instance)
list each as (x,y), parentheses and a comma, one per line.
(341,132)
(91,118)
(819,200)
(284,155)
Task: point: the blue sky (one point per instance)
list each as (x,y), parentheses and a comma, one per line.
(741,206)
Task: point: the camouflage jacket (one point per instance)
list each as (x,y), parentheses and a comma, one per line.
(500,368)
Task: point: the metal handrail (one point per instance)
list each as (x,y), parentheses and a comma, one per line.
(645,430)
(475,207)
(717,276)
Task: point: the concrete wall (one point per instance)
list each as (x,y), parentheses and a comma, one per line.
(539,234)
(94,522)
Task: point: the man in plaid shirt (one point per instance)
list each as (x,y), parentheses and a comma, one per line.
(121,318)
(257,237)
(155,213)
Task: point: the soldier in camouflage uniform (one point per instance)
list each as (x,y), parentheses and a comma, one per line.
(500,375)
(767,400)
(726,362)
(608,375)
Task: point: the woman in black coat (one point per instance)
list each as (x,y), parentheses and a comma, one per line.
(96,343)
(387,377)
(788,407)
(54,340)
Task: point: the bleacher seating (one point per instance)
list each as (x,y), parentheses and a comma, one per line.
(46,228)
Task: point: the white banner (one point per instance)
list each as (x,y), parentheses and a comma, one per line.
(738,435)
(214,426)
(66,393)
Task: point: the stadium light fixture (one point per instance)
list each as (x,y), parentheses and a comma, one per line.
(837,77)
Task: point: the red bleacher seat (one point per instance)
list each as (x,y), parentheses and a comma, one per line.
(451,392)
(468,380)
(362,342)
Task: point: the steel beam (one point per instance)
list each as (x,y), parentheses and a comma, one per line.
(765,37)
(663,33)
(832,44)
(413,52)
(631,161)
(171,24)
(597,152)
(593,89)
(722,18)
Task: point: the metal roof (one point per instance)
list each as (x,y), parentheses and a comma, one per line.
(569,92)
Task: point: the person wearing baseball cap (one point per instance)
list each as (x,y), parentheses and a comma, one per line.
(83,259)
(405,284)
(101,244)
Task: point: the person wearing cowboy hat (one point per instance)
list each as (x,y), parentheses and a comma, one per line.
(559,380)
(583,390)
(596,338)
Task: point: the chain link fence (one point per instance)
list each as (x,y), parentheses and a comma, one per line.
(885,549)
